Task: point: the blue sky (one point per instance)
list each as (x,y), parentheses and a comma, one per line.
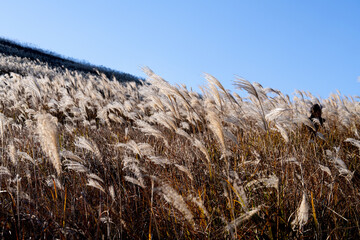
(287,45)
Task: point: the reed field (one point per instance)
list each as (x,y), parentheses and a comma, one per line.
(84,156)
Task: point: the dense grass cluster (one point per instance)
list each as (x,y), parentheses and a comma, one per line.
(83,156)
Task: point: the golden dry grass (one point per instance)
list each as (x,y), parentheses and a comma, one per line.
(159,161)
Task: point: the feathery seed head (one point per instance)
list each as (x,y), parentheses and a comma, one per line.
(49,139)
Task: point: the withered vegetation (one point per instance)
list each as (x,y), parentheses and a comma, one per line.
(84,156)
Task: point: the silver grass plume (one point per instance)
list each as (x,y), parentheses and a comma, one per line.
(325,169)
(12,153)
(342,168)
(24,156)
(134,181)
(70,155)
(157,103)
(185,125)
(200,203)
(302,214)
(270,182)
(241,195)
(283,132)
(112,192)
(142,149)
(49,139)
(94,176)
(51,180)
(291,160)
(4,121)
(303,119)
(95,184)
(213,81)
(354,142)
(165,120)
(82,142)
(149,130)
(256,92)
(276,113)
(4,171)
(181,132)
(239,191)
(75,166)
(131,164)
(244,217)
(216,127)
(157,81)
(184,170)
(159,160)
(197,143)
(340,164)
(177,201)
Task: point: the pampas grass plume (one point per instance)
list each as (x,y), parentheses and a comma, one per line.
(49,140)
(216,127)
(302,214)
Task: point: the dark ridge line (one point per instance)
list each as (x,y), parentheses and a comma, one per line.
(13,48)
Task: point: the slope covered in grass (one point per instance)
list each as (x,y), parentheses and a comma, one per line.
(87,157)
(46,59)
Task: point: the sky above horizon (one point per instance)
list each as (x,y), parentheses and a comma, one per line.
(286,45)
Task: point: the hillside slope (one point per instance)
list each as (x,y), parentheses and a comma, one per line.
(86,157)
(13,50)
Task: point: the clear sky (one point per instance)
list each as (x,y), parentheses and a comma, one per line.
(287,45)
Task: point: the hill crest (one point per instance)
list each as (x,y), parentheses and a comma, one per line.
(54,60)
